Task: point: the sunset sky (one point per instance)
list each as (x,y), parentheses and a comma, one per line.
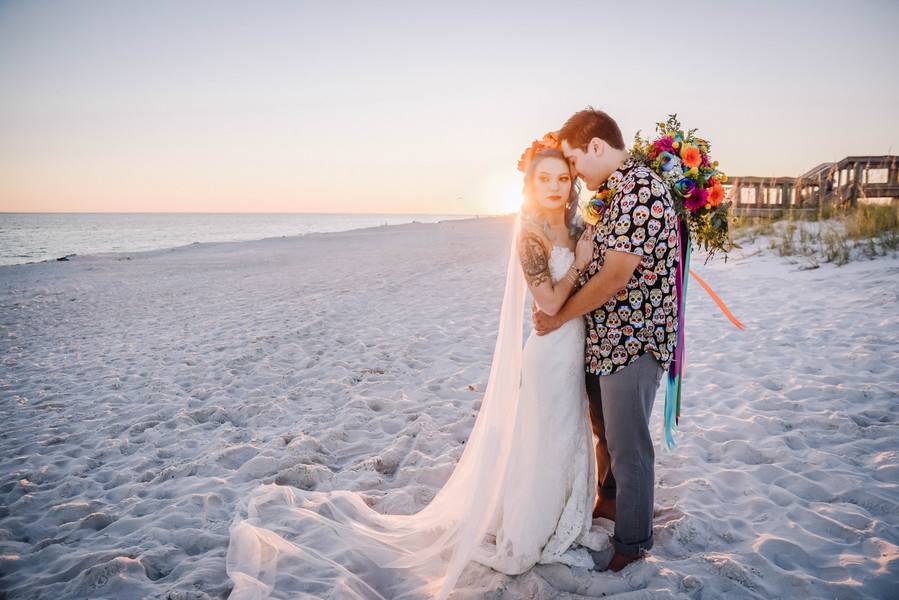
(417,107)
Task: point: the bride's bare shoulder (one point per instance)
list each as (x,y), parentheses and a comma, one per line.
(532,231)
(532,240)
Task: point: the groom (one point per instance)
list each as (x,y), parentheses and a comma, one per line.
(629,302)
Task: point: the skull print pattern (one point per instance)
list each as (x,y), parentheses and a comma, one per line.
(641,219)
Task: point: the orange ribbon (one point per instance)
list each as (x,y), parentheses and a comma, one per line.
(717,300)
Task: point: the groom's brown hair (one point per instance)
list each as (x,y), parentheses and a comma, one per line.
(590,123)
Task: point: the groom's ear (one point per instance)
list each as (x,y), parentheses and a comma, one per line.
(597,146)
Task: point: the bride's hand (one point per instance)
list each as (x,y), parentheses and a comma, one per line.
(583,252)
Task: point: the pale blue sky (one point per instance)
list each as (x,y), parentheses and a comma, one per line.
(411,106)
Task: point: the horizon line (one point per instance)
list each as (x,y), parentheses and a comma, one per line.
(141,212)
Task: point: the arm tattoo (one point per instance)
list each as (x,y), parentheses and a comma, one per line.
(533,259)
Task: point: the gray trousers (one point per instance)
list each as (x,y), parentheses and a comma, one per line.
(620,407)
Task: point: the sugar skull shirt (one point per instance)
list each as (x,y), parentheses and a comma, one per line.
(642,317)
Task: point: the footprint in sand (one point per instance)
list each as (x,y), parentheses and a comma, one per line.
(94,578)
(232,458)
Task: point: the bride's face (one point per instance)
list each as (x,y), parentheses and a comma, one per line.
(551,183)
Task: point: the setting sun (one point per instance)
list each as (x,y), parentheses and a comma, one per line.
(502,192)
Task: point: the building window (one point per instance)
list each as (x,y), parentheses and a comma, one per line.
(877,175)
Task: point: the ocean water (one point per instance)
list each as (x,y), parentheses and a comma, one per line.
(34,237)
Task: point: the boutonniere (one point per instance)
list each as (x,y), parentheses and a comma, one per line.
(595,208)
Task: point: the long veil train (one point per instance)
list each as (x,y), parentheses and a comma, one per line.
(332,544)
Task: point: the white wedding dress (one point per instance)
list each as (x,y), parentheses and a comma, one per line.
(547,504)
(522,492)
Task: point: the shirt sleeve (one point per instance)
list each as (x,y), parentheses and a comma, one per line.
(632,216)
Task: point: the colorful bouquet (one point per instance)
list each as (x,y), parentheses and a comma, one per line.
(682,160)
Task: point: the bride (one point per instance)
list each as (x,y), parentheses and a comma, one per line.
(523,490)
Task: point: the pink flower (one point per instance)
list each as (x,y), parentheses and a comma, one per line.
(697,199)
(664,144)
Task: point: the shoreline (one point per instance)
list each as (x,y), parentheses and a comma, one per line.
(128,254)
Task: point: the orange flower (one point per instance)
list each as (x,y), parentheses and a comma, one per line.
(525,159)
(716,194)
(551,140)
(690,156)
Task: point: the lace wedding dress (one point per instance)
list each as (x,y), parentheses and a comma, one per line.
(521,494)
(547,503)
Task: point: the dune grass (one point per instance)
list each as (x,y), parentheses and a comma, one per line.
(834,235)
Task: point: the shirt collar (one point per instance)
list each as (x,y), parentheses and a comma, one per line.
(618,174)
(629,163)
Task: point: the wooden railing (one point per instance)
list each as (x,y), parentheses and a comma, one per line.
(854,179)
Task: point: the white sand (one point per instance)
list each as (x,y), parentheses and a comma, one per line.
(143,397)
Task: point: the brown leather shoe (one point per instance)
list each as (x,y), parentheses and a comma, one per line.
(604,508)
(619,561)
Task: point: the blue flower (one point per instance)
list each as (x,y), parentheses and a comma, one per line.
(685,187)
(668,161)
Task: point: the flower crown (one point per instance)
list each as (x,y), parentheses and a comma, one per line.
(550,141)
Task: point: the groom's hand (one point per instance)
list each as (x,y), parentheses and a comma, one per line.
(544,323)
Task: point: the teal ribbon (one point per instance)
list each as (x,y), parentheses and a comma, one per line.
(676,370)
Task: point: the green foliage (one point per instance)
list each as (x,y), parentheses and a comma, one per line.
(866,231)
(835,247)
(871,220)
(682,161)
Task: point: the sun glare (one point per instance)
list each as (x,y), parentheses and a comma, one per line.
(502,192)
